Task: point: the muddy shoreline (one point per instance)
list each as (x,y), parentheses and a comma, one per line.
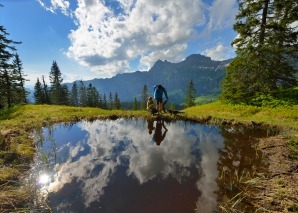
(277,191)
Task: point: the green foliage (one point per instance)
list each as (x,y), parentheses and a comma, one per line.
(135,104)
(267,100)
(190,95)
(279,98)
(38,93)
(11,80)
(58,92)
(265,57)
(117,103)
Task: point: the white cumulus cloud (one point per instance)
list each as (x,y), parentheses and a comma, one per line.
(219,52)
(111,34)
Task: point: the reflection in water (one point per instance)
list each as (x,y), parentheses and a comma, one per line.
(159,135)
(116,166)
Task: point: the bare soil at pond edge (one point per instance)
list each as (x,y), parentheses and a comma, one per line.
(277,191)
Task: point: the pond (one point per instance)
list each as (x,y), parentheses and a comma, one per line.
(138,165)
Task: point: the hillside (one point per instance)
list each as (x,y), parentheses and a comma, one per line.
(205,73)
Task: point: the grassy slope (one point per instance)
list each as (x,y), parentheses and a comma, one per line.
(284,117)
(17,125)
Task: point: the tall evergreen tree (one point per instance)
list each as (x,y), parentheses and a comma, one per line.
(111,103)
(135,105)
(266,47)
(82,94)
(92,96)
(144,96)
(74,99)
(38,93)
(20,91)
(46,91)
(57,93)
(104,104)
(117,103)
(65,95)
(7,79)
(190,95)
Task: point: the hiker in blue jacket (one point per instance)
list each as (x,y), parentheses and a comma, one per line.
(159,90)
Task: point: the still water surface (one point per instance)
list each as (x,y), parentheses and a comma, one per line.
(137,165)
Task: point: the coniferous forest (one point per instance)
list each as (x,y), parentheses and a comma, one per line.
(265,65)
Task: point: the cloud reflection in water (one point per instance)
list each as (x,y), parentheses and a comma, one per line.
(107,145)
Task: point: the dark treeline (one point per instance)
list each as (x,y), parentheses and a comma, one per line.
(79,95)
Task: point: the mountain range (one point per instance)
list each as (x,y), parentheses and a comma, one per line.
(205,73)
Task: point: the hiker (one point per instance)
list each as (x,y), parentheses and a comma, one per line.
(159,90)
(158,136)
(150,105)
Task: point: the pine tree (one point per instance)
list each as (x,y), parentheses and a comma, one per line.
(266,47)
(111,103)
(65,95)
(100,101)
(117,103)
(57,92)
(105,105)
(20,91)
(92,96)
(46,91)
(7,77)
(144,96)
(90,101)
(82,94)
(190,95)
(135,104)
(74,99)
(38,93)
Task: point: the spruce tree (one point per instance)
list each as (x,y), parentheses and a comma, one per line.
(266,47)
(135,104)
(74,99)
(111,103)
(117,103)
(82,94)
(7,77)
(104,104)
(144,96)
(100,101)
(38,93)
(57,93)
(20,91)
(190,95)
(92,96)
(46,92)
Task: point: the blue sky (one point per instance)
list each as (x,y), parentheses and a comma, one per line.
(101,38)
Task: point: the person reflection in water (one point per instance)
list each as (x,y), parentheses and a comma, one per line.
(158,136)
(150,125)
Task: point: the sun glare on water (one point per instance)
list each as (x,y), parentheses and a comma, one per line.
(44,179)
